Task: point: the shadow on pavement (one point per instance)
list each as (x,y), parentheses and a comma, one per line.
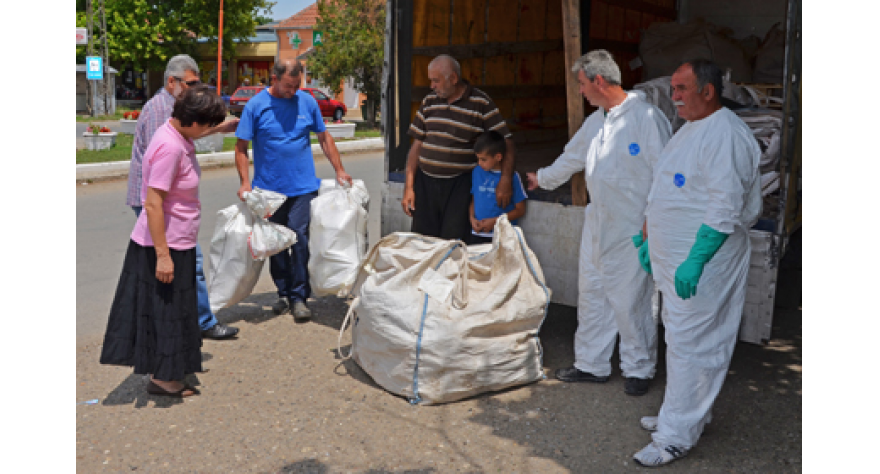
(312,466)
(132,391)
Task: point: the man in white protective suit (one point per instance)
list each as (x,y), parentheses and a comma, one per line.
(705,197)
(617,147)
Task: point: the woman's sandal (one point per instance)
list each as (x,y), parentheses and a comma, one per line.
(154,389)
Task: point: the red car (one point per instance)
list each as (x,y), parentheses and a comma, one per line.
(240,97)
(329,107)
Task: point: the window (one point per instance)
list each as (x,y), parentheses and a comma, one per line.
(244,93)
(319,95)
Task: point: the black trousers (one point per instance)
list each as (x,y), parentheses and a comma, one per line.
(442,206)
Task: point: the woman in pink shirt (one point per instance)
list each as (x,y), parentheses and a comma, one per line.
(153,323)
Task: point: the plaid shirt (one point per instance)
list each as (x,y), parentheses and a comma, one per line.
(156,112)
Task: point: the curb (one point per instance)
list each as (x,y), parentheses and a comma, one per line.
(119,169)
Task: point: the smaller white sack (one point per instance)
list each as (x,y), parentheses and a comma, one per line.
(337,236)
(239,234)
(267,238)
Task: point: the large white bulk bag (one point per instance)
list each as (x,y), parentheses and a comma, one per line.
(436,321)
(337,236)
(242,239)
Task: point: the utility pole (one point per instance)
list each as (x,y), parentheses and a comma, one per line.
(90,93)
(105,63)
(220,53)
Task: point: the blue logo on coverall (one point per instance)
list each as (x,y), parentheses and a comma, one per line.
(634,149)
(678,180)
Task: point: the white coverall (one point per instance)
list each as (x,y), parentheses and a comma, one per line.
(708,174)
(618,153)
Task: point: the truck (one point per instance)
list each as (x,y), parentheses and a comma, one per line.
(520,53)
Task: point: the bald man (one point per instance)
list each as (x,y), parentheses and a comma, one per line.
(439,164)
(278,120)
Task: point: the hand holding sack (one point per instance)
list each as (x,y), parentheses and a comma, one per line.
(242,239)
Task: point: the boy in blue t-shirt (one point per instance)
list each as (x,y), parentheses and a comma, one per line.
(484,211)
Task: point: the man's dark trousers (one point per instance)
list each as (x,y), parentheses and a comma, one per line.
(289,268)
(442,206)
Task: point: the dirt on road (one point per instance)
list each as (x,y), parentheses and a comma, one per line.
(278,399)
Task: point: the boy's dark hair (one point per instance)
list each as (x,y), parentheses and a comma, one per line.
(199,104)
(491,143)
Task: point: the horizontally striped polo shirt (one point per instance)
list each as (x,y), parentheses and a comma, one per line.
(448,131)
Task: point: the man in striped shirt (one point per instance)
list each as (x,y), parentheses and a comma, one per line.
(440,161)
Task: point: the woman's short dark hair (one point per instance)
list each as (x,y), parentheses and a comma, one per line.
(199,104)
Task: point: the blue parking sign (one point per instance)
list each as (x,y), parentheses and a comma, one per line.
(94,68)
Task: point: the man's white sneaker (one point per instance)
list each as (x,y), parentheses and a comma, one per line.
(655,454)
(649,422)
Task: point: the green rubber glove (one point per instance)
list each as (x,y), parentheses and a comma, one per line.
(688,274)
(638,240)
(645,257)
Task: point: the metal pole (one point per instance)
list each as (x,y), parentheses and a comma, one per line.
(106,58)
(90,93)
(220,53)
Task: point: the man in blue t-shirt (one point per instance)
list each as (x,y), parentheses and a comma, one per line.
(490,149)
(278,121)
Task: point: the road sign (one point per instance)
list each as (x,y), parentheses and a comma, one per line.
(82,36)
(317,38)
(94,68)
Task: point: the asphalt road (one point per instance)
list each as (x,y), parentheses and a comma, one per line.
(279,399)
(104,224)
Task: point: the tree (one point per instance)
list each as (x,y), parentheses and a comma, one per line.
(146,33)
(353,47)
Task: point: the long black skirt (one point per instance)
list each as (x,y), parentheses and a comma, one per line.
(154,326)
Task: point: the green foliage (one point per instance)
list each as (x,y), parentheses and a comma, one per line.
(354,47)
(146,33)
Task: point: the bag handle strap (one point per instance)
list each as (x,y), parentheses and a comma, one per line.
(345,322)
(462,276)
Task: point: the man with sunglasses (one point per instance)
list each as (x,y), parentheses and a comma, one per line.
(181,73)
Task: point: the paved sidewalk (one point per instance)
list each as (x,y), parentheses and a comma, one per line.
(119,169)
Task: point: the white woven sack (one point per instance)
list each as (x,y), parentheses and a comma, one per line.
(337,237)
(436,322)
(240,234)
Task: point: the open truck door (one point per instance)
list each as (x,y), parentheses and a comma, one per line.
(520,53)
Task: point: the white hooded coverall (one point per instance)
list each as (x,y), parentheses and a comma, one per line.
(708,174)
(617,153)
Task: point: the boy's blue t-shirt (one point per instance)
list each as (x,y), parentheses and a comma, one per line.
(483,188)
(279,132)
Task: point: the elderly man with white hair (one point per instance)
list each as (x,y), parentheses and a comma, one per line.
(437,194)
(617,147)
(181,73)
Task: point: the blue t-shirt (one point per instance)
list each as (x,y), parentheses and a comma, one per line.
(483,188)
(282,151)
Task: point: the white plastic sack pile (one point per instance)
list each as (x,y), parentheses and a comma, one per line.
(242,239)
(436,322)
(337,236)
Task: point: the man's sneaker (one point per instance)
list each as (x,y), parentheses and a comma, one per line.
(300,311)
(280,306)
(636,386)
(573,374)
(219,331)
(650,422)
(655,454)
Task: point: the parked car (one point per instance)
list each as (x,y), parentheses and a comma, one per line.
(240,97)
(225,97)
(329,107)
